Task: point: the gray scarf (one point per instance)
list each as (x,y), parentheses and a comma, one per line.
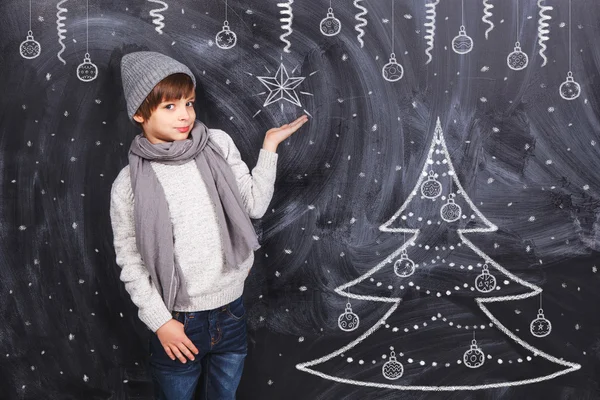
(154,232)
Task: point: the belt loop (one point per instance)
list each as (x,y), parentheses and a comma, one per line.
(175,315)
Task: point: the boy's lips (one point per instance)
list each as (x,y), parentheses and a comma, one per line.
(183,129)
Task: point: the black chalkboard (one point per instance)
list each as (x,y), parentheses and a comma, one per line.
(517,148)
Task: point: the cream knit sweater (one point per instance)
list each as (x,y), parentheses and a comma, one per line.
(197,242)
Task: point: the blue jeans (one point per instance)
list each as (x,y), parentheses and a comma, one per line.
(220,336)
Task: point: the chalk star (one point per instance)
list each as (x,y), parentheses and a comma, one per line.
(281,87)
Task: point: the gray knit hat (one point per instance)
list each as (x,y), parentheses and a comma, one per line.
(141,71)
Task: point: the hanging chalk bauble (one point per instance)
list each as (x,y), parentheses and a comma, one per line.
(474,357)
(393,368)
(392,71)
(348,321)
(462,44)
(226,38)
(517,60)
(451,211)
(540,326)
(330,25)
(485,282)
(431,188)
(87,71)
(569,89)
(30,48)
(404,266)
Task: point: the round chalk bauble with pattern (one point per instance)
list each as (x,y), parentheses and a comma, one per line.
(87,71)
(404,266)
(226,38)
(540,326)
(517,60)
(462,44)
(485,282)
(392,71)
(431,188)
(330,25)
(348,321)
(393,368)
(450,211)
(30,48)
(569,89)
(474,357)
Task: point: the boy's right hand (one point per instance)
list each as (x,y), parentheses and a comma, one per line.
(175,341)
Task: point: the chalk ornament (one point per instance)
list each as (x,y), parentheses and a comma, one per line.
(404,266)
(330,25)
(348,321)
(485,282)
(517,60)
(569,89)
(30,48)
(474,357)
(540,327)
(87,71)
(392,71)
(226,38)
(450,211)
(431,188)
(392,369)
(462,44)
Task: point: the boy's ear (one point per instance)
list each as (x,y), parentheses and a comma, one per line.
(138,118)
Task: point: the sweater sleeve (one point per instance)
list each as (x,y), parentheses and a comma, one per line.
(256,188)
(152,310)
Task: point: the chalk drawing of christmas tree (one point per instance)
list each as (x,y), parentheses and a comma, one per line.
(441,287)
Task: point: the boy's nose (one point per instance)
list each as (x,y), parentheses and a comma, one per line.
(184,115)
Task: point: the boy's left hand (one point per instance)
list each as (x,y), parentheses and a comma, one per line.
(275,136)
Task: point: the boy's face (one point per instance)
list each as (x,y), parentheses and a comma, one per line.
(172,120)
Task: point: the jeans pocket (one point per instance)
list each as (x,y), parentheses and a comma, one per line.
(155,347)
(236,309)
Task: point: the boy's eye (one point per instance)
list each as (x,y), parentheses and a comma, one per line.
(171,106)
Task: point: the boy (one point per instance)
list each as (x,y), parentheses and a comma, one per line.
(180,213)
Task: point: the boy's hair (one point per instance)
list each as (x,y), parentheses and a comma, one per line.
(173,87)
